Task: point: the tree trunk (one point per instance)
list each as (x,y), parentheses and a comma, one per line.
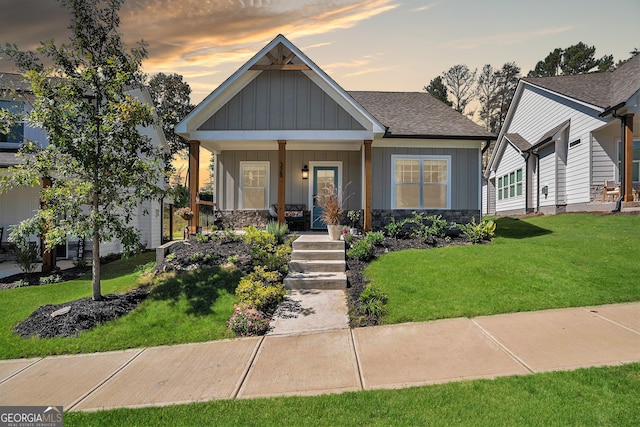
(97,294)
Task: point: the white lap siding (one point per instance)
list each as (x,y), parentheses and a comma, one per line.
(548,175)
(539,111)
(511,161)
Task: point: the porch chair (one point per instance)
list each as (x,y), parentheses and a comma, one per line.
(610,189)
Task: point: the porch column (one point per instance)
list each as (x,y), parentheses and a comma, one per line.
(282,174)
(194,181)
(48,256)
(368,190)
(628,159)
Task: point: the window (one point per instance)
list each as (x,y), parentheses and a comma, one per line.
(254,185)
(14,136)
(636,161)
(510,185)
(421,182)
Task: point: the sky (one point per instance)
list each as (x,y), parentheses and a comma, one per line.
(386,45)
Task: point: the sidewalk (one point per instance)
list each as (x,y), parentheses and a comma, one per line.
(330,361)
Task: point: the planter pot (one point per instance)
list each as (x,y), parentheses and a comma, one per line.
(335,230)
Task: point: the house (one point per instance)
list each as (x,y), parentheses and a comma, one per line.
(281,129)
(562,139)
(20,203)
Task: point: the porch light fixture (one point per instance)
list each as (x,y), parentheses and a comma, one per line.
(305,172)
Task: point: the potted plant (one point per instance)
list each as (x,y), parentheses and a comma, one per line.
(354,220)
(330,202)
(185,213)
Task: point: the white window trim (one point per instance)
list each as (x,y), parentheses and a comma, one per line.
(267,184)
(395,157)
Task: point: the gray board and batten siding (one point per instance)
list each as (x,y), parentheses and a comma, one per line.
(297,189)
(278,100)
(465,174)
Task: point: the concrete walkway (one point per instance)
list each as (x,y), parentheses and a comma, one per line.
(329,361)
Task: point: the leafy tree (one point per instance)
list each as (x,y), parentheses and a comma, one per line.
(576,59)
(172,99)
(460,82)
(99,164)
(495,91)
(438,90)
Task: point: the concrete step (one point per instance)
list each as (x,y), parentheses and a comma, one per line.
(306,244)
(317,255)
(318,266)
(315,281)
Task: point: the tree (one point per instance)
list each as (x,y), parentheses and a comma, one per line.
(495,91)
(576,59)
(460,83)
(487,90)
(99,165)
(438,90)
(172,100)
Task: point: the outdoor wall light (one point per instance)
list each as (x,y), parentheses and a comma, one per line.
(305,172)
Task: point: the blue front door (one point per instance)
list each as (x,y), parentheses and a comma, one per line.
(322,176)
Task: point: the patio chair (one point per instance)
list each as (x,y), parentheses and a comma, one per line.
(610,189)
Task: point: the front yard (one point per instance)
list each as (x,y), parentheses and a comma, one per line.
(532,264)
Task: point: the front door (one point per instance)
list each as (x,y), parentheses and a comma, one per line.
(322,176)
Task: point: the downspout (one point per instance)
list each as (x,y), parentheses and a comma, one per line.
(535,153)
(526,156)
(623,125)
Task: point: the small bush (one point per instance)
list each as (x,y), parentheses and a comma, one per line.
(27,256)
(277,230)
(478,232)
(373,301)
(48,280)
(202,238)
(170,257)
(375,237)
(248,322)
(361,250)
(21,283)
(394,228)
(196,256)
(260,289)
(438,225)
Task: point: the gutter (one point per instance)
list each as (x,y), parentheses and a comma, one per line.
(623,184)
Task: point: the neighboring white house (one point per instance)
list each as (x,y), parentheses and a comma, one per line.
(281,129)
(20,203)
(563,137)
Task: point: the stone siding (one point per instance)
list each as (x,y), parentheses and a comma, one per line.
(237,220)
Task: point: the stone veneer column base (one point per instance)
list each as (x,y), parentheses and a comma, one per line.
(382,217)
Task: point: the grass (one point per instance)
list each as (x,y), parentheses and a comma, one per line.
(193,307)
(533,264)
(594,397)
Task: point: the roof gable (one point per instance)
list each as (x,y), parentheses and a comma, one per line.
(279,55)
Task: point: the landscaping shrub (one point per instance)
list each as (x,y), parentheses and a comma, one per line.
(248,322)
(374,237)
(478,232)
(202,238)
(265,251)
(372,301)
(277,230)
(361,250)
(395,228)
(48,280)
(260,289)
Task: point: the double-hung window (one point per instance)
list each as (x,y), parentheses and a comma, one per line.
(15,134)
(254,185)
(421,182)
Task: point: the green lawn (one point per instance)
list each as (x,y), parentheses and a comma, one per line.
(536,263)
(193,307)
(588,397)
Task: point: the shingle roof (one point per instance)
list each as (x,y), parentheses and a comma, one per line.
(13,81)
(600,89)
(418,114)
(517,140)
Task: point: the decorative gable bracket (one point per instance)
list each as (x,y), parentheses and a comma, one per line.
(280,62)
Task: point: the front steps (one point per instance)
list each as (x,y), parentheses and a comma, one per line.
(317,263)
